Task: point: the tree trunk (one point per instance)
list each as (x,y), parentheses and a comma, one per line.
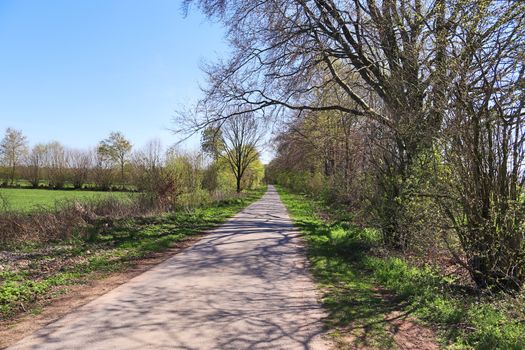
(238,179)
(122,174)
(13,170)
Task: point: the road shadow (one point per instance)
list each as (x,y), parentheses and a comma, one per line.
(244,286)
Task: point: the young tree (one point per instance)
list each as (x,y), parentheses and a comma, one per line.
(116,148)
(186,169)
(13,148)
(236,141)
(483,149)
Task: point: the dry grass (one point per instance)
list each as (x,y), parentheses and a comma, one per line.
(69,219)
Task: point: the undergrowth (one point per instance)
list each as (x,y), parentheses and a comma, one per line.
(362,289)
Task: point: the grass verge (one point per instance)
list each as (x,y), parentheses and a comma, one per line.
(366,292)
(31,274)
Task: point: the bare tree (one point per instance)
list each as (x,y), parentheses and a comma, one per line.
(36,160)
(147,165)
(437,80)
(288,53)
(484,150)
(151,156)
(102,173)
(57,164)
(236,141)
(13,148)
(116,148)
(80,163)
(385,57)
(389,58)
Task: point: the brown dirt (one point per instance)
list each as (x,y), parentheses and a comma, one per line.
(72,297)
(404,331)
(408,334)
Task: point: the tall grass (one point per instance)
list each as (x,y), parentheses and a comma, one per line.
(70,217)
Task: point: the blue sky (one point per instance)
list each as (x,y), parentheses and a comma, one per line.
(73,70)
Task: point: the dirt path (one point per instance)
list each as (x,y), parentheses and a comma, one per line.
(243,286)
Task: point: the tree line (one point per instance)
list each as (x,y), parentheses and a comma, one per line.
(410,112)
(55,166)
(114,165)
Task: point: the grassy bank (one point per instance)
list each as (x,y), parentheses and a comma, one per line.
(367,291)
(31,274)
(26,199)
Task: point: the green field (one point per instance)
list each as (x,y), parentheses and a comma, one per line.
(24,199)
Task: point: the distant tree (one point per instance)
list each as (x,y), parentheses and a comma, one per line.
(36,160)
(210,177)
(147,166)
(102,173)
(235,141)
(152,154)
(80,162)
(57,164)
(186,169)
(116,148)
(13,148)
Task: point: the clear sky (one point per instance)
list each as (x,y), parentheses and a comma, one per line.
(73,70)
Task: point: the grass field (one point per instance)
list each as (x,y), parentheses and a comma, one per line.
(22,199)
